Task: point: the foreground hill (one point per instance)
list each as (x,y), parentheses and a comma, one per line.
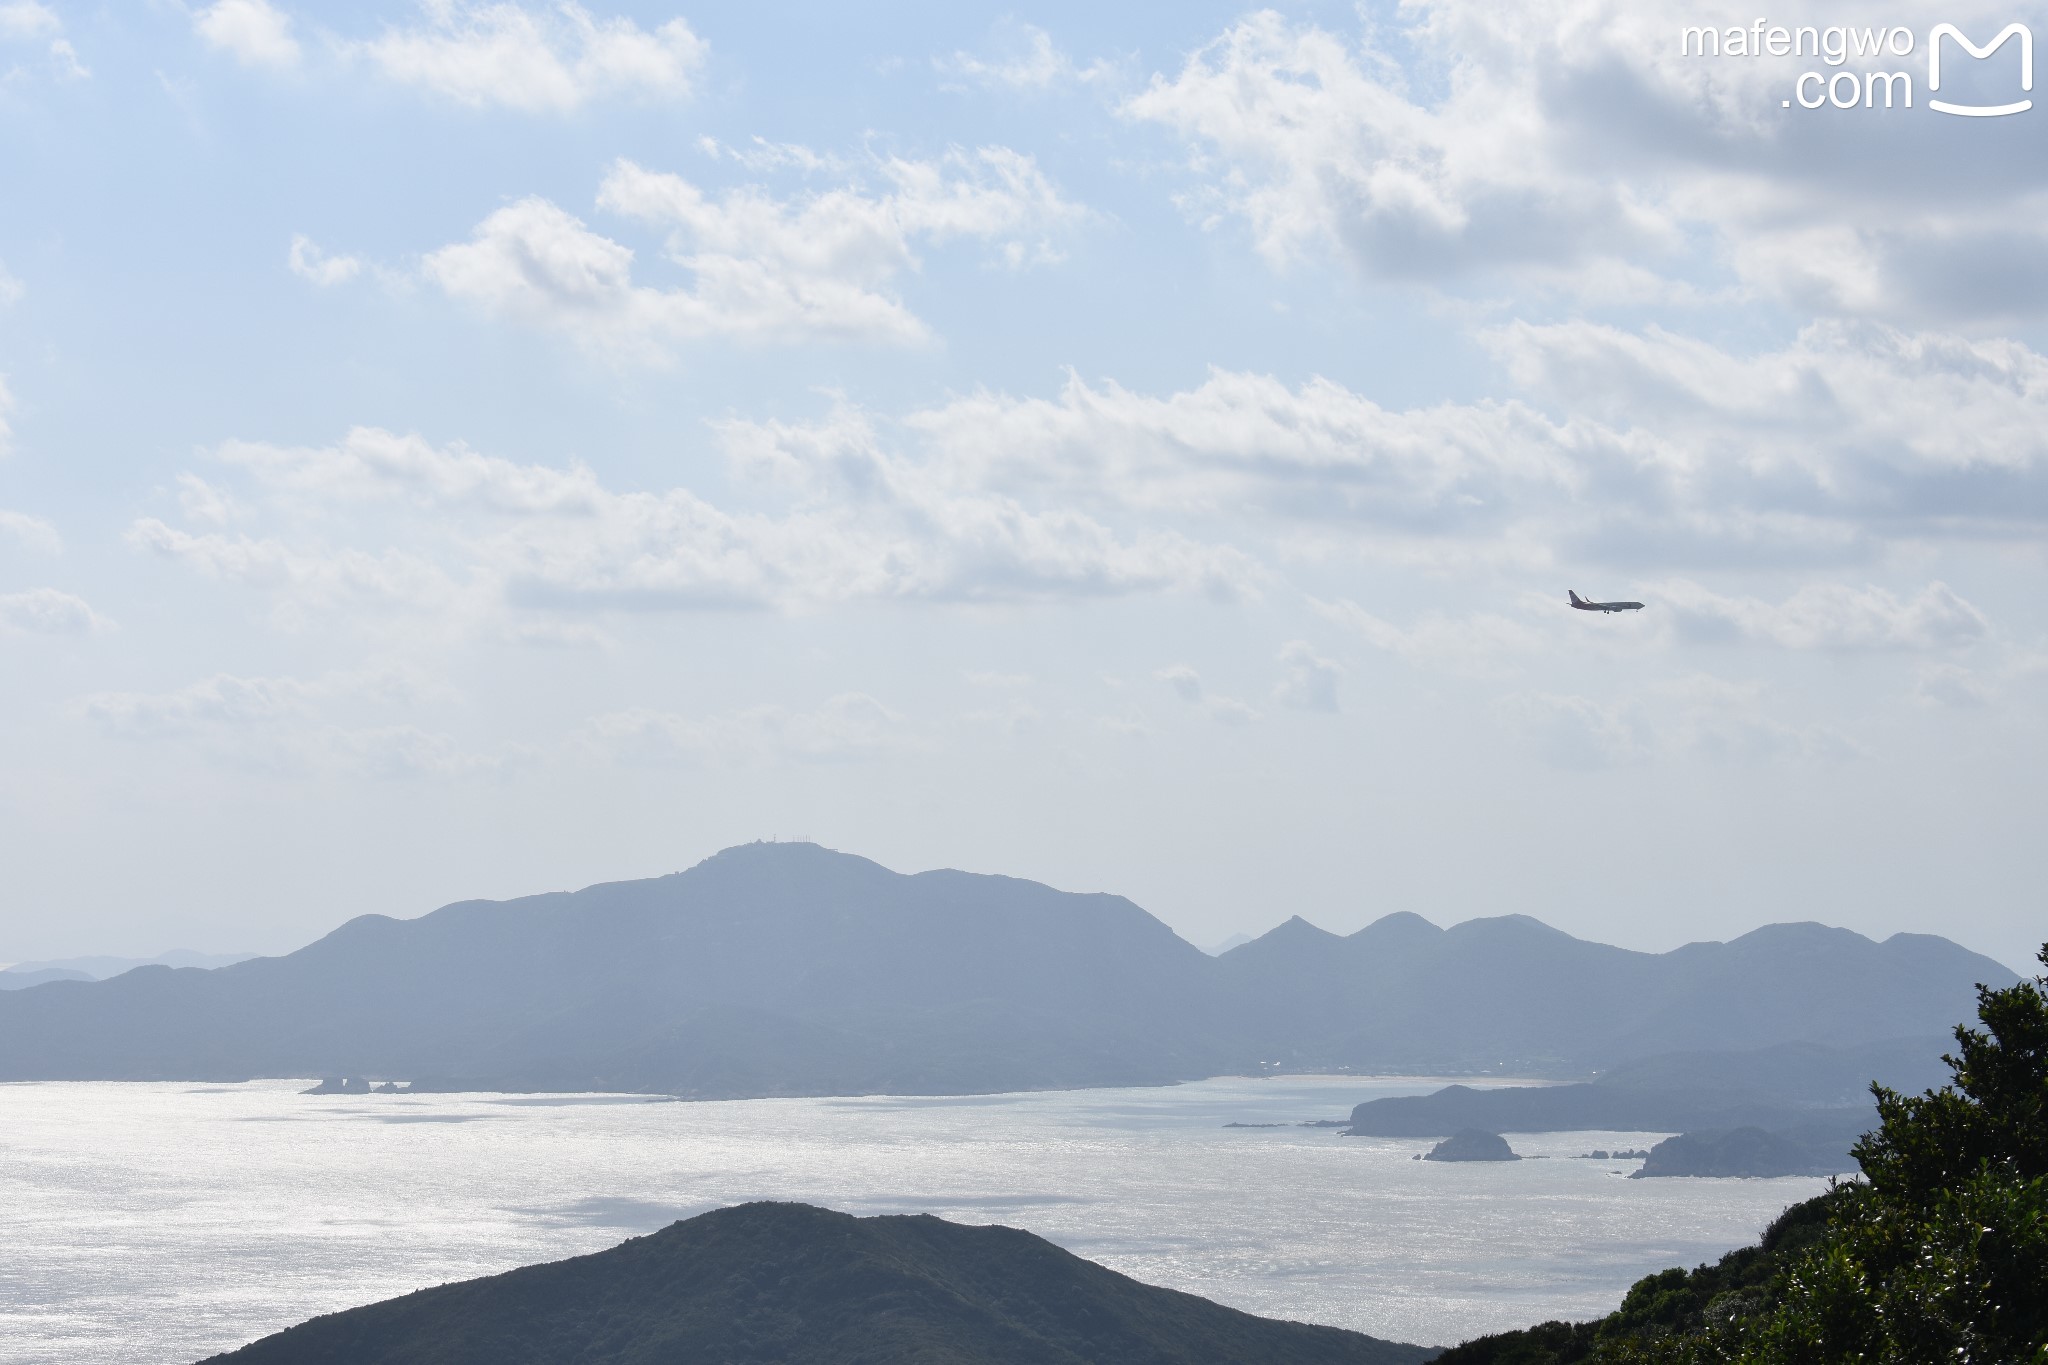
(782,969)
(791,1283)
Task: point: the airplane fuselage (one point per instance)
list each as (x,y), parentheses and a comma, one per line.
(1583,605)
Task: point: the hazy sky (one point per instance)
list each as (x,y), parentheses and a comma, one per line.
(458,450)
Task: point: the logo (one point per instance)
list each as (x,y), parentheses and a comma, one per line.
(2021,31)
(1853,89)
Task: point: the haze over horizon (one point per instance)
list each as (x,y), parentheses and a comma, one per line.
(457,451)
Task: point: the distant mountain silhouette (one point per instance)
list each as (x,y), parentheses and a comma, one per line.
(1823,1090)
(801,1285)
(1515,994)
(100,968)
(1576,1108)
(766,969)
(21,978)
(787,969)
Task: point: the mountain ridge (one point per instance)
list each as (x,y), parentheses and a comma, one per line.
(792,969)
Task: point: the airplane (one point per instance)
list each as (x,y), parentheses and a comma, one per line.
(1583,605)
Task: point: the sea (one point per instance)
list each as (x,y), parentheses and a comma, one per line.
(167,1222)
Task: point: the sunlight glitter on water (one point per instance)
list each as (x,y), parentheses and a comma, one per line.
(164,1222)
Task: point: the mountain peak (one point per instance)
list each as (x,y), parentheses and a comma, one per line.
(778,849)
(1520,926)
(1800,934)
(1403,927)
(1294,930)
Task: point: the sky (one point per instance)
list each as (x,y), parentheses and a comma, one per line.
(459,450)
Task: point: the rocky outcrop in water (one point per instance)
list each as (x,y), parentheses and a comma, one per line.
(1472,1145)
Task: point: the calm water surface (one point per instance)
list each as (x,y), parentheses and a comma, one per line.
(161,1223)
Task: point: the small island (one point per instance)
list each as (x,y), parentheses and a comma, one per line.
(1472,1144)
(353,1085)
(1748,1153)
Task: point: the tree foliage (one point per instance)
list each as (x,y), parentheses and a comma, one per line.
(1939,1254)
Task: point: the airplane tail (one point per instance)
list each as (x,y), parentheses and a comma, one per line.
(1577,600)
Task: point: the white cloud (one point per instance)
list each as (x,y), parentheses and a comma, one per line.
(1829,616)
(1575,732)
(1308,681)
(23,20)
(1185,682)
(1718,719)
(282,725)
(1231,711)
(403,752)
(254,32)
(1951,686)
(305,578)
(1247,442)
(10,287)
(763,157)
(996,545)
(223,699)
(227,701)
(64,57)
(1317,144)
(1847,441)
(1850,445)
(1850,431)
(484,537)
(1697,716)
(31,21)
(847,727)
(310,263)
(370,465)
(1187,685)
(553,59)
(1480,644)
(33,532)
(820,265)
(1567,143)
(46,611)
(202,502)
(1030,61)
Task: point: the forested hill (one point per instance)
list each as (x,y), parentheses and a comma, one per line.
(795,1284)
